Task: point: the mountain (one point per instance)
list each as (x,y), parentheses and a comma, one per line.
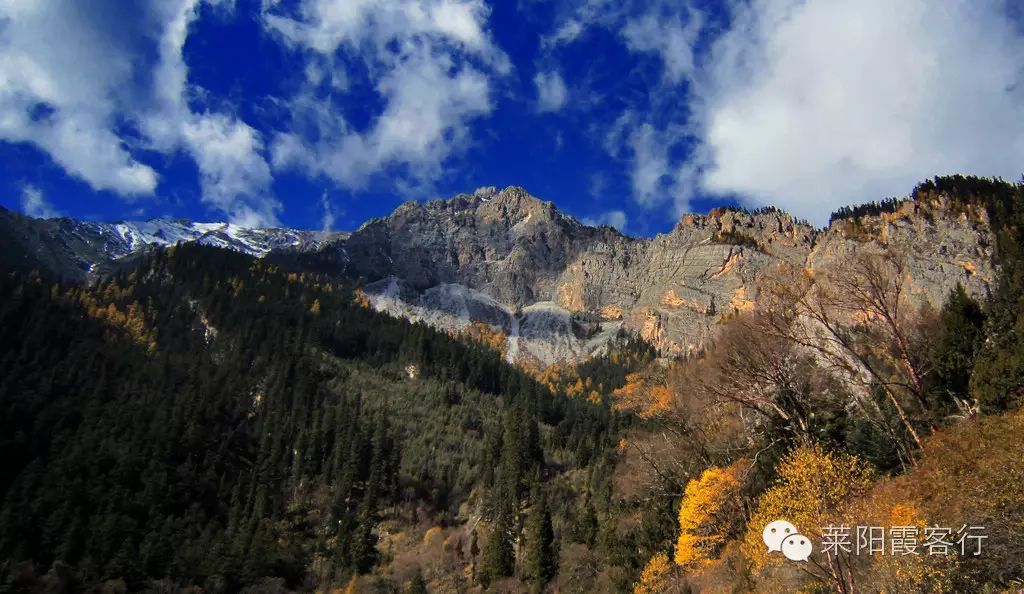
(75,249)
(555,288)
(560,289)
(207,418)
(203,418)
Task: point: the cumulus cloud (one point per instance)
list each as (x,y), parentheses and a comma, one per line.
(810,105)
(819,104)
(70,77)
(430,63)
(234,175)
(61,87)
(34,204)
(551,91)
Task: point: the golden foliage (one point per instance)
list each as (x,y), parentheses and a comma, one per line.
(132,321)
(654,577)
(888,505)
(812,490)
(488,336)
(709,510)
(647,396)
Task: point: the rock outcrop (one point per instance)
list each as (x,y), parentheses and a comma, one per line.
(502,257)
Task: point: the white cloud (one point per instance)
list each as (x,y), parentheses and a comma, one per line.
(814,104)
(61,86)
(583,15)
(646,148)
(551,91)
(34,204)
(430,62)
(672,38)
(234,176)
(650,164)
(70,77)
(329,216)
(613,218)
(811,106)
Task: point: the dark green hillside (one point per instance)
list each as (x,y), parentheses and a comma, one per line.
(210,419)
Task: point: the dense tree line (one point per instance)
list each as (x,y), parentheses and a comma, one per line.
(207,418)
(873,209)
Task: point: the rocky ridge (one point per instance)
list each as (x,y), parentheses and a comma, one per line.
(556,288)
(508,259)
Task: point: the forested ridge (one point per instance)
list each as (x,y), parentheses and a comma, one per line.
(209,419)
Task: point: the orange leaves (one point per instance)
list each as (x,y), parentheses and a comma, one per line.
(708,514)
(643,394)
(361,299)
(132,321)
(814,486)
(654,577)
(488,336)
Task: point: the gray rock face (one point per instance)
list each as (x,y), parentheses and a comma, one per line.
(556,288)
(510,251)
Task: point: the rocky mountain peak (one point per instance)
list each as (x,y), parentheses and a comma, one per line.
(559,289)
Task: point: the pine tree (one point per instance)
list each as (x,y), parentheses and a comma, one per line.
(953,351)
(585,528)
(498,553)
(540,562)
(997,381)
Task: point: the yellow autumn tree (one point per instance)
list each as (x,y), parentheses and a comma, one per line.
(487,335)
(654,577)
(647,396)
(708,514)
(813,487)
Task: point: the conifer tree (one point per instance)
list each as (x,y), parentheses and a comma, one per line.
(540,562)
(953,350)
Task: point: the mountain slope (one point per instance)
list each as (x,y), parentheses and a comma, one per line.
(558,290)
(207,419)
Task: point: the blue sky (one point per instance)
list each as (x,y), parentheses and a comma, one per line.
(323,113)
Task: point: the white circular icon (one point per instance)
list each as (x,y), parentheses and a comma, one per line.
(797,547)
(775,532)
